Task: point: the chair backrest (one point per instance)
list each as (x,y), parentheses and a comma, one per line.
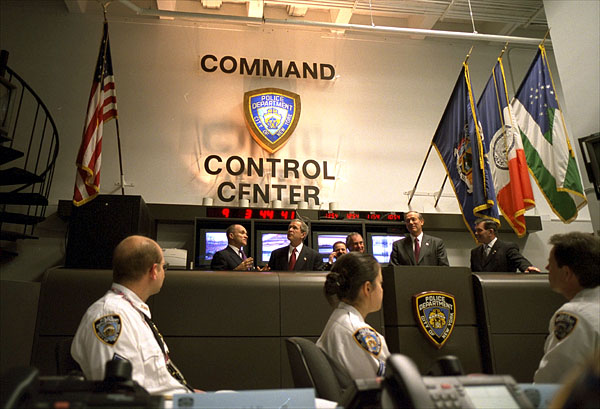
(313,368)
(65,364)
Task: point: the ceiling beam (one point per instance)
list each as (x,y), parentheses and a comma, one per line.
(255,8)
(170,5)
(424,21)
(212,4)
(340,16)
(76,6)
(376,30)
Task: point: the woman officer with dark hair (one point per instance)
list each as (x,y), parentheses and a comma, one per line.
(354,287)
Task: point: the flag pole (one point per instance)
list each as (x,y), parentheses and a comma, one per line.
(545,36)
(105,7)
(503,50)
(468,55)
(412,192)
(439,194)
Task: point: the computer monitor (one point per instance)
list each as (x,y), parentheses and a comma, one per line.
(380,245)
(209,242)
(323,242)
(267,241)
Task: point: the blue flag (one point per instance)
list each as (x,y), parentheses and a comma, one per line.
(463,150)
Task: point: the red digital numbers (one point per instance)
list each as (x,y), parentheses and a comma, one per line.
(352,216)
(394,217)
(225,213)
(266,214)
(373,216)
(331,215)
(248,214)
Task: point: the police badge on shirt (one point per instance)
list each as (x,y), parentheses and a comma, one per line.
(563,325)
(108,328)
(368,339)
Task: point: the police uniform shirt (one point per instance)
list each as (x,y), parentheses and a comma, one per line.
(114,328)
(353,343)
(574,336)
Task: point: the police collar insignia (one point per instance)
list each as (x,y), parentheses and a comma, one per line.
(435,313)
(271,115)
(563,325)
(368,339)
(108,328)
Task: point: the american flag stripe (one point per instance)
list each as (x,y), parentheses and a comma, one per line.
(102,106)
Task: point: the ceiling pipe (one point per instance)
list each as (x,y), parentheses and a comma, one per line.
(333,26)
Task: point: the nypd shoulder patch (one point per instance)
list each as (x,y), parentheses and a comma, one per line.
(368,339)
(108,328)
(563,325)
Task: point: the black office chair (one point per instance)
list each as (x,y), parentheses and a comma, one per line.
(65,364)
(313,368)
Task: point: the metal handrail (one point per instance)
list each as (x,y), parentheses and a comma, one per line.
(33,132)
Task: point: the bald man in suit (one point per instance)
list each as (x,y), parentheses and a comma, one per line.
(430,250)
(233,257)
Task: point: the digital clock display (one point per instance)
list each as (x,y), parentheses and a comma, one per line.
(247,213)
(350,215)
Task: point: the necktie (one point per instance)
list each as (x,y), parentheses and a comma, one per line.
(175,373)
(243,255)
(417,251)
(292,262)
(487,250)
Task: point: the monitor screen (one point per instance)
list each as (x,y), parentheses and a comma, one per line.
(269,241)
(491,396)
(381,245)
(325,242)
(211,241)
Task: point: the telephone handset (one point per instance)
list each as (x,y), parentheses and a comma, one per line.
(405,388)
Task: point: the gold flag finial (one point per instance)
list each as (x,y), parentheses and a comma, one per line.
(468,55)
(503,50)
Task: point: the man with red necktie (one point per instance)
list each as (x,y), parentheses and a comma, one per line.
(417,248)
(297,256)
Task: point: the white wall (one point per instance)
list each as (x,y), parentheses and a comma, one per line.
(575,30)
(373,124)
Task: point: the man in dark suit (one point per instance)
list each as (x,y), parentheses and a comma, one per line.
(355,242)
(417,248)
(233,257)
(296,256)
(494,254)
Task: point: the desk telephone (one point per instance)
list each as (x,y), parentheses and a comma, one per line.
(404,387)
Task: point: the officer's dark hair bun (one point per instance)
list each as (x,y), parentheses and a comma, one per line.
(347,275)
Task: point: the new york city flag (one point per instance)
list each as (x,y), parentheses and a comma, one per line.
(462,148)
(549,154)
(506,156)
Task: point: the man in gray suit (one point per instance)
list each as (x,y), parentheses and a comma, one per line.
(417,248)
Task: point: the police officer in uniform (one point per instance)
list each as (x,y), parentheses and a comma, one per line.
(575,327)
(355,286)
(119,325)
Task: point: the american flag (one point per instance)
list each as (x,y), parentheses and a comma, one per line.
(102,106)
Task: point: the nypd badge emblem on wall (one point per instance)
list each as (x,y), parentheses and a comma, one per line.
(271,116)
(435,313)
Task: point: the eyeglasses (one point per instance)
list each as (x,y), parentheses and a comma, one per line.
(165,266)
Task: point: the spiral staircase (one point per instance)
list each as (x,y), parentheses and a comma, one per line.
(28,150)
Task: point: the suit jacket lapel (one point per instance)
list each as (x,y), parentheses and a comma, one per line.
(300,262)
(488,258)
